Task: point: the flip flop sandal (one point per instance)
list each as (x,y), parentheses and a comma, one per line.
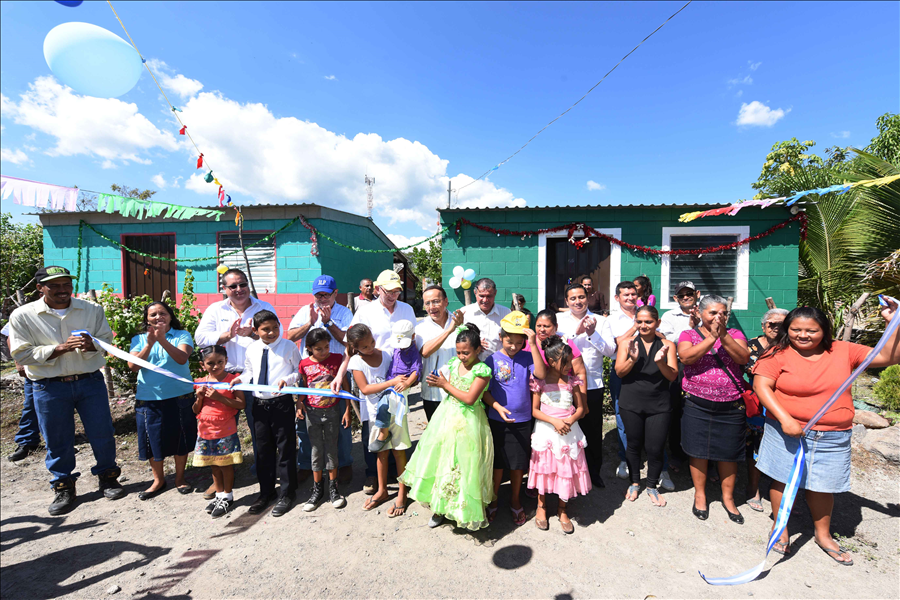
(783,550)
(836,555)
(209,495)
(755,504)
(396,511)
(654,494)
(491,514)
(370,505)
(519,517)
(637,490)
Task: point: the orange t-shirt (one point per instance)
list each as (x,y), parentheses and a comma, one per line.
(803,385)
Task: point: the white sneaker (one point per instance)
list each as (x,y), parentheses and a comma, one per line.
(665,482)
(622,471)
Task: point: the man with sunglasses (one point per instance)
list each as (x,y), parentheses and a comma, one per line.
(229,323)
(672,323)
(335,318)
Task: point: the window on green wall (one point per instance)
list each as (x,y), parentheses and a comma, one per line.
(724,273)
(261,258)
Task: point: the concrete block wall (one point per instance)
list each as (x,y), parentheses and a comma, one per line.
(512,262)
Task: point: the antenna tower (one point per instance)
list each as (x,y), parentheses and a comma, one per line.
(370,196)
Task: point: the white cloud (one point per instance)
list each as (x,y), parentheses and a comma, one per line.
(159,181)
(840,134)
(747,80)
(178,83)
(330,77)
(753,65)
(739,94)
(758,114)
(16,157)
(284,159)
(593,186)
(107,128)
(401,241)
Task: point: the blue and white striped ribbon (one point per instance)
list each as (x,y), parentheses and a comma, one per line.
(793,484)
(243,387)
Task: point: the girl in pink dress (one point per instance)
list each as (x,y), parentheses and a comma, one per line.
(558,465)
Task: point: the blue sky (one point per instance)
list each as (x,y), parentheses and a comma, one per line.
(295,102)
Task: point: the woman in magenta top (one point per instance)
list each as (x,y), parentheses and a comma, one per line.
(714,424)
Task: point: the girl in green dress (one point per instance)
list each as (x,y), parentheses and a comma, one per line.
(451,471)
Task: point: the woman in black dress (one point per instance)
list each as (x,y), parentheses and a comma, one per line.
(647,364)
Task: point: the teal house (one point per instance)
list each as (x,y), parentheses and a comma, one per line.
(513,247)
(150,256)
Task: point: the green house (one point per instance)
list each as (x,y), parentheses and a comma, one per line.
(505,244)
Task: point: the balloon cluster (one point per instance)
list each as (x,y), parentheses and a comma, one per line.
(462,278)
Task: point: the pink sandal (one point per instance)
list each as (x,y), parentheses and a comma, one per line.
(519,517)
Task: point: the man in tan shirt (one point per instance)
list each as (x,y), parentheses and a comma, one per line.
(51,338)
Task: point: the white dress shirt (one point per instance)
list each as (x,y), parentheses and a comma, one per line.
(673,323)
(217,319)
(488,324)
(593,347)
(380,320)
(284,364)
(616,324)
(426,331)
(340,315)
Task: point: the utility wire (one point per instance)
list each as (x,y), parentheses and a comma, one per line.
(486,173)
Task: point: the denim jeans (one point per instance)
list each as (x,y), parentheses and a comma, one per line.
(56,403)
(345,444)
(29,433)
(615,388)
(382,418)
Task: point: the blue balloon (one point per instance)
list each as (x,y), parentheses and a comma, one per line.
(469,274)
(91,60)
(69,3)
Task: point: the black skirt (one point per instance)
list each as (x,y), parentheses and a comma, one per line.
(714,430)
(512,444)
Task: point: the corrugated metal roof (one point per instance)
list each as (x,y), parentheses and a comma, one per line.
(595,207)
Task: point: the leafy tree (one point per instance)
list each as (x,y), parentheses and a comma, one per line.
(886,145)
(127,192)
(785,160)
(426,263)
(23,253)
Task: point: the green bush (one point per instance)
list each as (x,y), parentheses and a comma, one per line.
(887,390)
(125,315)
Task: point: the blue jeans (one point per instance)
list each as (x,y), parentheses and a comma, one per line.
(615,388)
(345,444)
(56,403)
(29,433)
(382,418)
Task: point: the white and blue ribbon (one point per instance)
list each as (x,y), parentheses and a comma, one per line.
(793,484)
(242,387)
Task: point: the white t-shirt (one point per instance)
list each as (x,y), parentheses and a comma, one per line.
(593,348)
(372,375)
(380,320)
(488,325)
(60,312)
(426,331)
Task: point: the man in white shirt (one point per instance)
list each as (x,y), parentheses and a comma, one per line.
(583,327)
(617,324)
(271,360)
(485,314)
(324,312)
(380,315)
(672,324)
(229,323)
(436,341)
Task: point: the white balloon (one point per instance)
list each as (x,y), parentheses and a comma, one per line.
(455,282)
(458,271)
(469,274)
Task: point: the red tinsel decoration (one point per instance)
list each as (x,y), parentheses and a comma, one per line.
(314,240)
(590,232)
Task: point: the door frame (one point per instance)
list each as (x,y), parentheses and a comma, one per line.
(615,264)
(124,256)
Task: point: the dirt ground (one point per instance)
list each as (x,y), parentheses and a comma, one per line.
(169,548)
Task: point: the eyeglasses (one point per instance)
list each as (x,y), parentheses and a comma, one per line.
(773,324)
(235,286)
(433,303)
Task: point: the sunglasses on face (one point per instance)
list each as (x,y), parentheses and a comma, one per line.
(685,296)
(235,286)
(773,324)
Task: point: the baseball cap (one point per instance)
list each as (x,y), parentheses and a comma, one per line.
(389,280)
(45,274)
(514,322)
(324,283)
(685,284)
(401,334)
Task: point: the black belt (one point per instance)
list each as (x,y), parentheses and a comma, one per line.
(268,401)
(69,377)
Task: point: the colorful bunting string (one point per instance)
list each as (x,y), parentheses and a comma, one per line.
(733,209)
(135,207)
(34,193)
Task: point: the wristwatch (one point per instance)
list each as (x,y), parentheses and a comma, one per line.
(329,323)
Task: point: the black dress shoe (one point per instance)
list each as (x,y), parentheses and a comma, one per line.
(262,501)
(22,452)
(736,517)
(701,514)
(283,505)
(146,495)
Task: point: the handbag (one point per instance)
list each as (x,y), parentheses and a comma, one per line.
(751,400)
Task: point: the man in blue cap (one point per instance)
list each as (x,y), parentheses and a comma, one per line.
(323,312)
